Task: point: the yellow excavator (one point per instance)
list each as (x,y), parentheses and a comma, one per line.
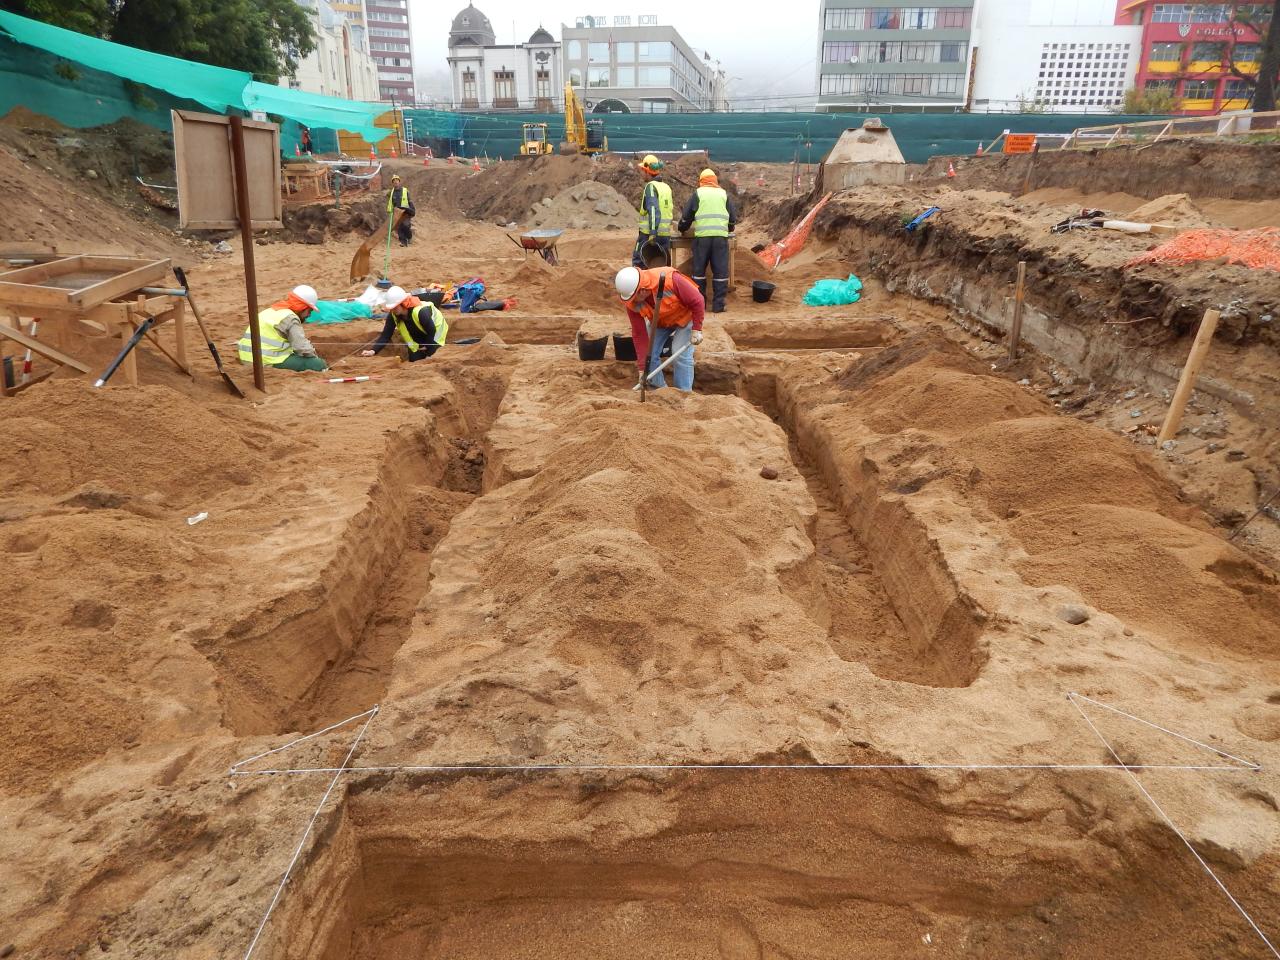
(580,134)
(533,140)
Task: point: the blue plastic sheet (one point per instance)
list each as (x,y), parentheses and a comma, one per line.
(834,293)
(339,311)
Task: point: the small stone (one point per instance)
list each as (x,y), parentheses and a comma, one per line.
(1169,446)
(91,174)
(769,473)
(1128,632)
(1130,394)
(606,208)
(1235,456)
(7,949)
(593,193)
(1135,413)
(1024,382)
(546,201)
(1073,613)
(1212,447)
(1054,392)
(222,247)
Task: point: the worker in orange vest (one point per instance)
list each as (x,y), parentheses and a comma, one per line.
(679,320)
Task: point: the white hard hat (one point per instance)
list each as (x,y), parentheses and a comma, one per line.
(627,282)
(394,297)
(307,295)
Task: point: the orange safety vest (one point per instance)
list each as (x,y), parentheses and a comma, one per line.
(673,313)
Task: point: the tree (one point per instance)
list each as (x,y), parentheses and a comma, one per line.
(1266,25)
(264,37)
(1157,100)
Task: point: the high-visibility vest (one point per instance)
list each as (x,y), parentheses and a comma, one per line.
(666,209)
(437,318)
(712,218)
(403,201)
(275,348)
(673,313)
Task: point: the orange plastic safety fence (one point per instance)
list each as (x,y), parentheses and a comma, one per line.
(793,242)
(1259,249)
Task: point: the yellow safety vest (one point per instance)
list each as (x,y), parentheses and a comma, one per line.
(275,348)
(712,218)
(441,324)
(666,209)
(404,199)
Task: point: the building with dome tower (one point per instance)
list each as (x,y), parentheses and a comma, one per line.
(487,75)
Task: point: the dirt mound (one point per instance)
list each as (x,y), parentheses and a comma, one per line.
(65,435)
(588,205)
(1176,209)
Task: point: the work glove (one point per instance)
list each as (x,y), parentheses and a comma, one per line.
(697,337)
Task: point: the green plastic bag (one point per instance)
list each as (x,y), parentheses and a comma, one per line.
(834,293)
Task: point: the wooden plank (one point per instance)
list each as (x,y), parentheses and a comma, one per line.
(1190,374)
(15,390)
(1015,329)
(180,334)
(117,286)
(35,346)
(38,273)
(130,364)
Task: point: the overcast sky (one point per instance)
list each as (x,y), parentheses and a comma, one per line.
(772,50)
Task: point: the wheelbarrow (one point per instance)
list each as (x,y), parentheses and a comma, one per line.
(543,241)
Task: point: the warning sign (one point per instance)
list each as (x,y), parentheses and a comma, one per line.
(1020,143)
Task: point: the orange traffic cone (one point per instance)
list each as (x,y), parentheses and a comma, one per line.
(760,181)
(426,161)
(373,154)
(297,150)
(451,159)
(980,152)
(475,164)
(951,169)
(393,153)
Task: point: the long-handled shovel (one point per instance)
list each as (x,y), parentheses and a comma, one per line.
(204,332)
(360,265)
(652,329)
(138,334)
(667,362)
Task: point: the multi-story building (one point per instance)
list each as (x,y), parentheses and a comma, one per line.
(487,75)
(340,65)
(1050,56)
(641,67)
(887,56)
(390,43)
(1190,49)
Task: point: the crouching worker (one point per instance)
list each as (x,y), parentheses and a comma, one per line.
(679,319)
(284,345)
(421,326)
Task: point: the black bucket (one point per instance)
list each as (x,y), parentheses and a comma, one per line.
(624,347)
(590,348)
(761,291)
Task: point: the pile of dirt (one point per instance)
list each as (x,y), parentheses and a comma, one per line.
(1175,209)
(587,205)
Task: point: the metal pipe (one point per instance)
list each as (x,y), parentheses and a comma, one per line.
(164,291)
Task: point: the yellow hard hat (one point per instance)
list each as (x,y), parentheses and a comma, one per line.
(650,162)
(707,173)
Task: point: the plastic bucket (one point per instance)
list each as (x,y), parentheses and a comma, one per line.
(590,348)
(761,291)
(624,347)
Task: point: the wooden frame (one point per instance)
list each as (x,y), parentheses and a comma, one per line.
(38,286)
(206,192)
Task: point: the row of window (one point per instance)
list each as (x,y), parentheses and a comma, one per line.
(393,61)
(627,51)
(1208,12)
(504,87)
(388,46)
(1206,52)
(1233,89)
(380,32)
(892,51)
(898,18)
(893,84)
(388,18)
(623,77)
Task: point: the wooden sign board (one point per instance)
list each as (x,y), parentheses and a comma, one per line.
(1020,143)
(206,192)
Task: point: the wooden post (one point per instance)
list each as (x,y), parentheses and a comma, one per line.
(1190,374)
(240,167)
(180,334)
(1019,299)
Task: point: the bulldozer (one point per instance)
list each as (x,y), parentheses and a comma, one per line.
(580,134)
(533,140)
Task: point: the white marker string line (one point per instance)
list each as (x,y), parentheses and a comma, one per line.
(1072,697)
(310,736)
(297,854)
(670,767)
(1155,726)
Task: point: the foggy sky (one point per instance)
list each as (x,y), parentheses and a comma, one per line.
(771,47)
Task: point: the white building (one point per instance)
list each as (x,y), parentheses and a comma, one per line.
(487,75)
(1057,56)
(340,65)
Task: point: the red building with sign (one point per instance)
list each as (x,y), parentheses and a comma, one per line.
(1188,49)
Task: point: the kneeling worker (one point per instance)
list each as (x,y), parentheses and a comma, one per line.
(679,319)
(284,345)
(421,326)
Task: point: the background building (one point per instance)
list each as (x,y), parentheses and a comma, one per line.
(639,67)
(1186,48)
(390,42)
(1053,56)
(340,65)
(487,75)
(889,56)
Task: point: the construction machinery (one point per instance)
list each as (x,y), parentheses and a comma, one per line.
(581,135)
(533,140)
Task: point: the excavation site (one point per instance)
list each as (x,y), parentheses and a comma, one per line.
(943,621)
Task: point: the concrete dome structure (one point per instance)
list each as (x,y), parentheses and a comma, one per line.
(473,26)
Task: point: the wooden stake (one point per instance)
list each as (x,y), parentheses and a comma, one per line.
(241,170)
(1019,299)
(1190,374)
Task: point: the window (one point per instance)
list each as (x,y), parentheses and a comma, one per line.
(1237,90)
(950,52)
(655,106)
(598,77)
(654,51)
(910,85)
(653,76)
(898,18)
(1208,52)
(469,95)
(575,76)
(626,76)
(1246,52)
(1190,13)
(626,52)
(504,88)
(542,84)
(598,53)
(1166,53)
(575,49)
(1200,89)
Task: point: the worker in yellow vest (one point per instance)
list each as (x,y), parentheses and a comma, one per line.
(420,325)
(713,216)
(398,199)
(657,211)
(284,345)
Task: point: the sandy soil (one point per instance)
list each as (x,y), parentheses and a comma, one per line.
(856,543)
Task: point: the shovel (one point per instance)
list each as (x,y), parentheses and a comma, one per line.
(138,334)
(665,363)
(651,328)
(360,265)
(204,331)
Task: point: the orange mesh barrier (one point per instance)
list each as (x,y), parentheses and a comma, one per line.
(1259,249)
(793,242)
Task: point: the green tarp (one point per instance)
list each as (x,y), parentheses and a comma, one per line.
(315,110)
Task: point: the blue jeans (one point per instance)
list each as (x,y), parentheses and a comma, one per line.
(682,369)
